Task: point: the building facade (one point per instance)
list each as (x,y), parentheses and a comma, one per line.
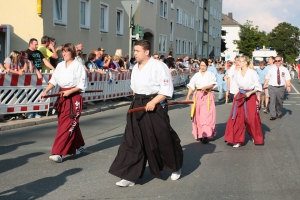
(180,27)
(232,29)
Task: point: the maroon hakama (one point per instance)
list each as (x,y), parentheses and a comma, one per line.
(245,116)
(68,136)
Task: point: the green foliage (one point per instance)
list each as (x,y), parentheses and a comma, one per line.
(250,38)
(285,39)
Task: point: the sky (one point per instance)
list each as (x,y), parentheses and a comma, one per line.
(266,14)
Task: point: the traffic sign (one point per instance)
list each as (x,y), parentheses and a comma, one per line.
(130,4)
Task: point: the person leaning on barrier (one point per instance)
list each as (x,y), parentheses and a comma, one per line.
(92,67)
(13,65)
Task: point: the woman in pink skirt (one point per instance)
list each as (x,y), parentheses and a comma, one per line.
(203,112)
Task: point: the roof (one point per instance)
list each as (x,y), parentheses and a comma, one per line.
(228,21)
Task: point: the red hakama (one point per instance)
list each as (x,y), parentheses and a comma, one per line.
(246,116)
(68,137)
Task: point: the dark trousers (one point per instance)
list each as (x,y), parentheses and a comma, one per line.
(276,100)
(148,137)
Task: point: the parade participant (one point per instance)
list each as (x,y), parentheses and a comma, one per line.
(232,72)
(70,76)
(266,90)
(148,134)
(244,112)
(261,74)
(279,80)
(203,112)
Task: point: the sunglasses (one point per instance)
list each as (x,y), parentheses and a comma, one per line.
(277,60)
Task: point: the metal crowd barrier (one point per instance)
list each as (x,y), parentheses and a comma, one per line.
(19,94)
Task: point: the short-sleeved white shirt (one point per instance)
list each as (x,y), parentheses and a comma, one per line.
(272,76)
(153,78)
(68,77)
(247,82)
(199,81)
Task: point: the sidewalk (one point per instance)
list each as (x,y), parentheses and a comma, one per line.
(91,109)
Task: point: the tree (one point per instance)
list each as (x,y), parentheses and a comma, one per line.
(250,38)
(285,39)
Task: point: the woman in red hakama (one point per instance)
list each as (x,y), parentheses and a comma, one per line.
(70,76)
(203,111)
(244,113)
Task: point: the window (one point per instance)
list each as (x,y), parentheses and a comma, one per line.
(185,19)
(184,47)
(192,21)
(179,16)
(178,48)
(104,17)
(120,21)
(214,32)
(60,12)
(201,3)
(162,44)
(191,48)
(210,30)
(171,30)
(199,49)
(172,4)
(164,9)
(85,6)
(215,13)
(211,10)
(201,25)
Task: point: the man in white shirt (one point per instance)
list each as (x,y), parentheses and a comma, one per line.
(278,78)
(266,91)
(148,135)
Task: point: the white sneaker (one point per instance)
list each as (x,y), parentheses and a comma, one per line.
(125,183)
(56,158)
(175,175)
(78,151)
(237,145)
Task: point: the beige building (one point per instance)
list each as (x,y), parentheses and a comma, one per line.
(182,27)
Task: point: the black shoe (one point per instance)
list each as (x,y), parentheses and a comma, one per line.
(205,140)
(272,118)
(279,116)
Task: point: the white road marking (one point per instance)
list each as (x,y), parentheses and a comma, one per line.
(295,89)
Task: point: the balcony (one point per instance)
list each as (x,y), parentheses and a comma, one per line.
(205,37)
(205,15)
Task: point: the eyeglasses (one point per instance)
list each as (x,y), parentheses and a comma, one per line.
(156,57)
(277,60)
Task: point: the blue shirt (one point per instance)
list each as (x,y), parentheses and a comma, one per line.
(220,79)
(261,73)
(99,63)
(212,69)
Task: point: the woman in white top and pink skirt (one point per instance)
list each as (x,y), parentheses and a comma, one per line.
(203,111)
(244,113)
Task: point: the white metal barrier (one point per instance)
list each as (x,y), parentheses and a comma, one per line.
(19,94)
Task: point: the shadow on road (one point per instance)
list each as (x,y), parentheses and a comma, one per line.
(38,188)
(192,155)
(6,149)
(106,143)
(12,163)
(191,161)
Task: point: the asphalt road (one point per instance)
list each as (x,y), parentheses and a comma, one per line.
(210,171)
